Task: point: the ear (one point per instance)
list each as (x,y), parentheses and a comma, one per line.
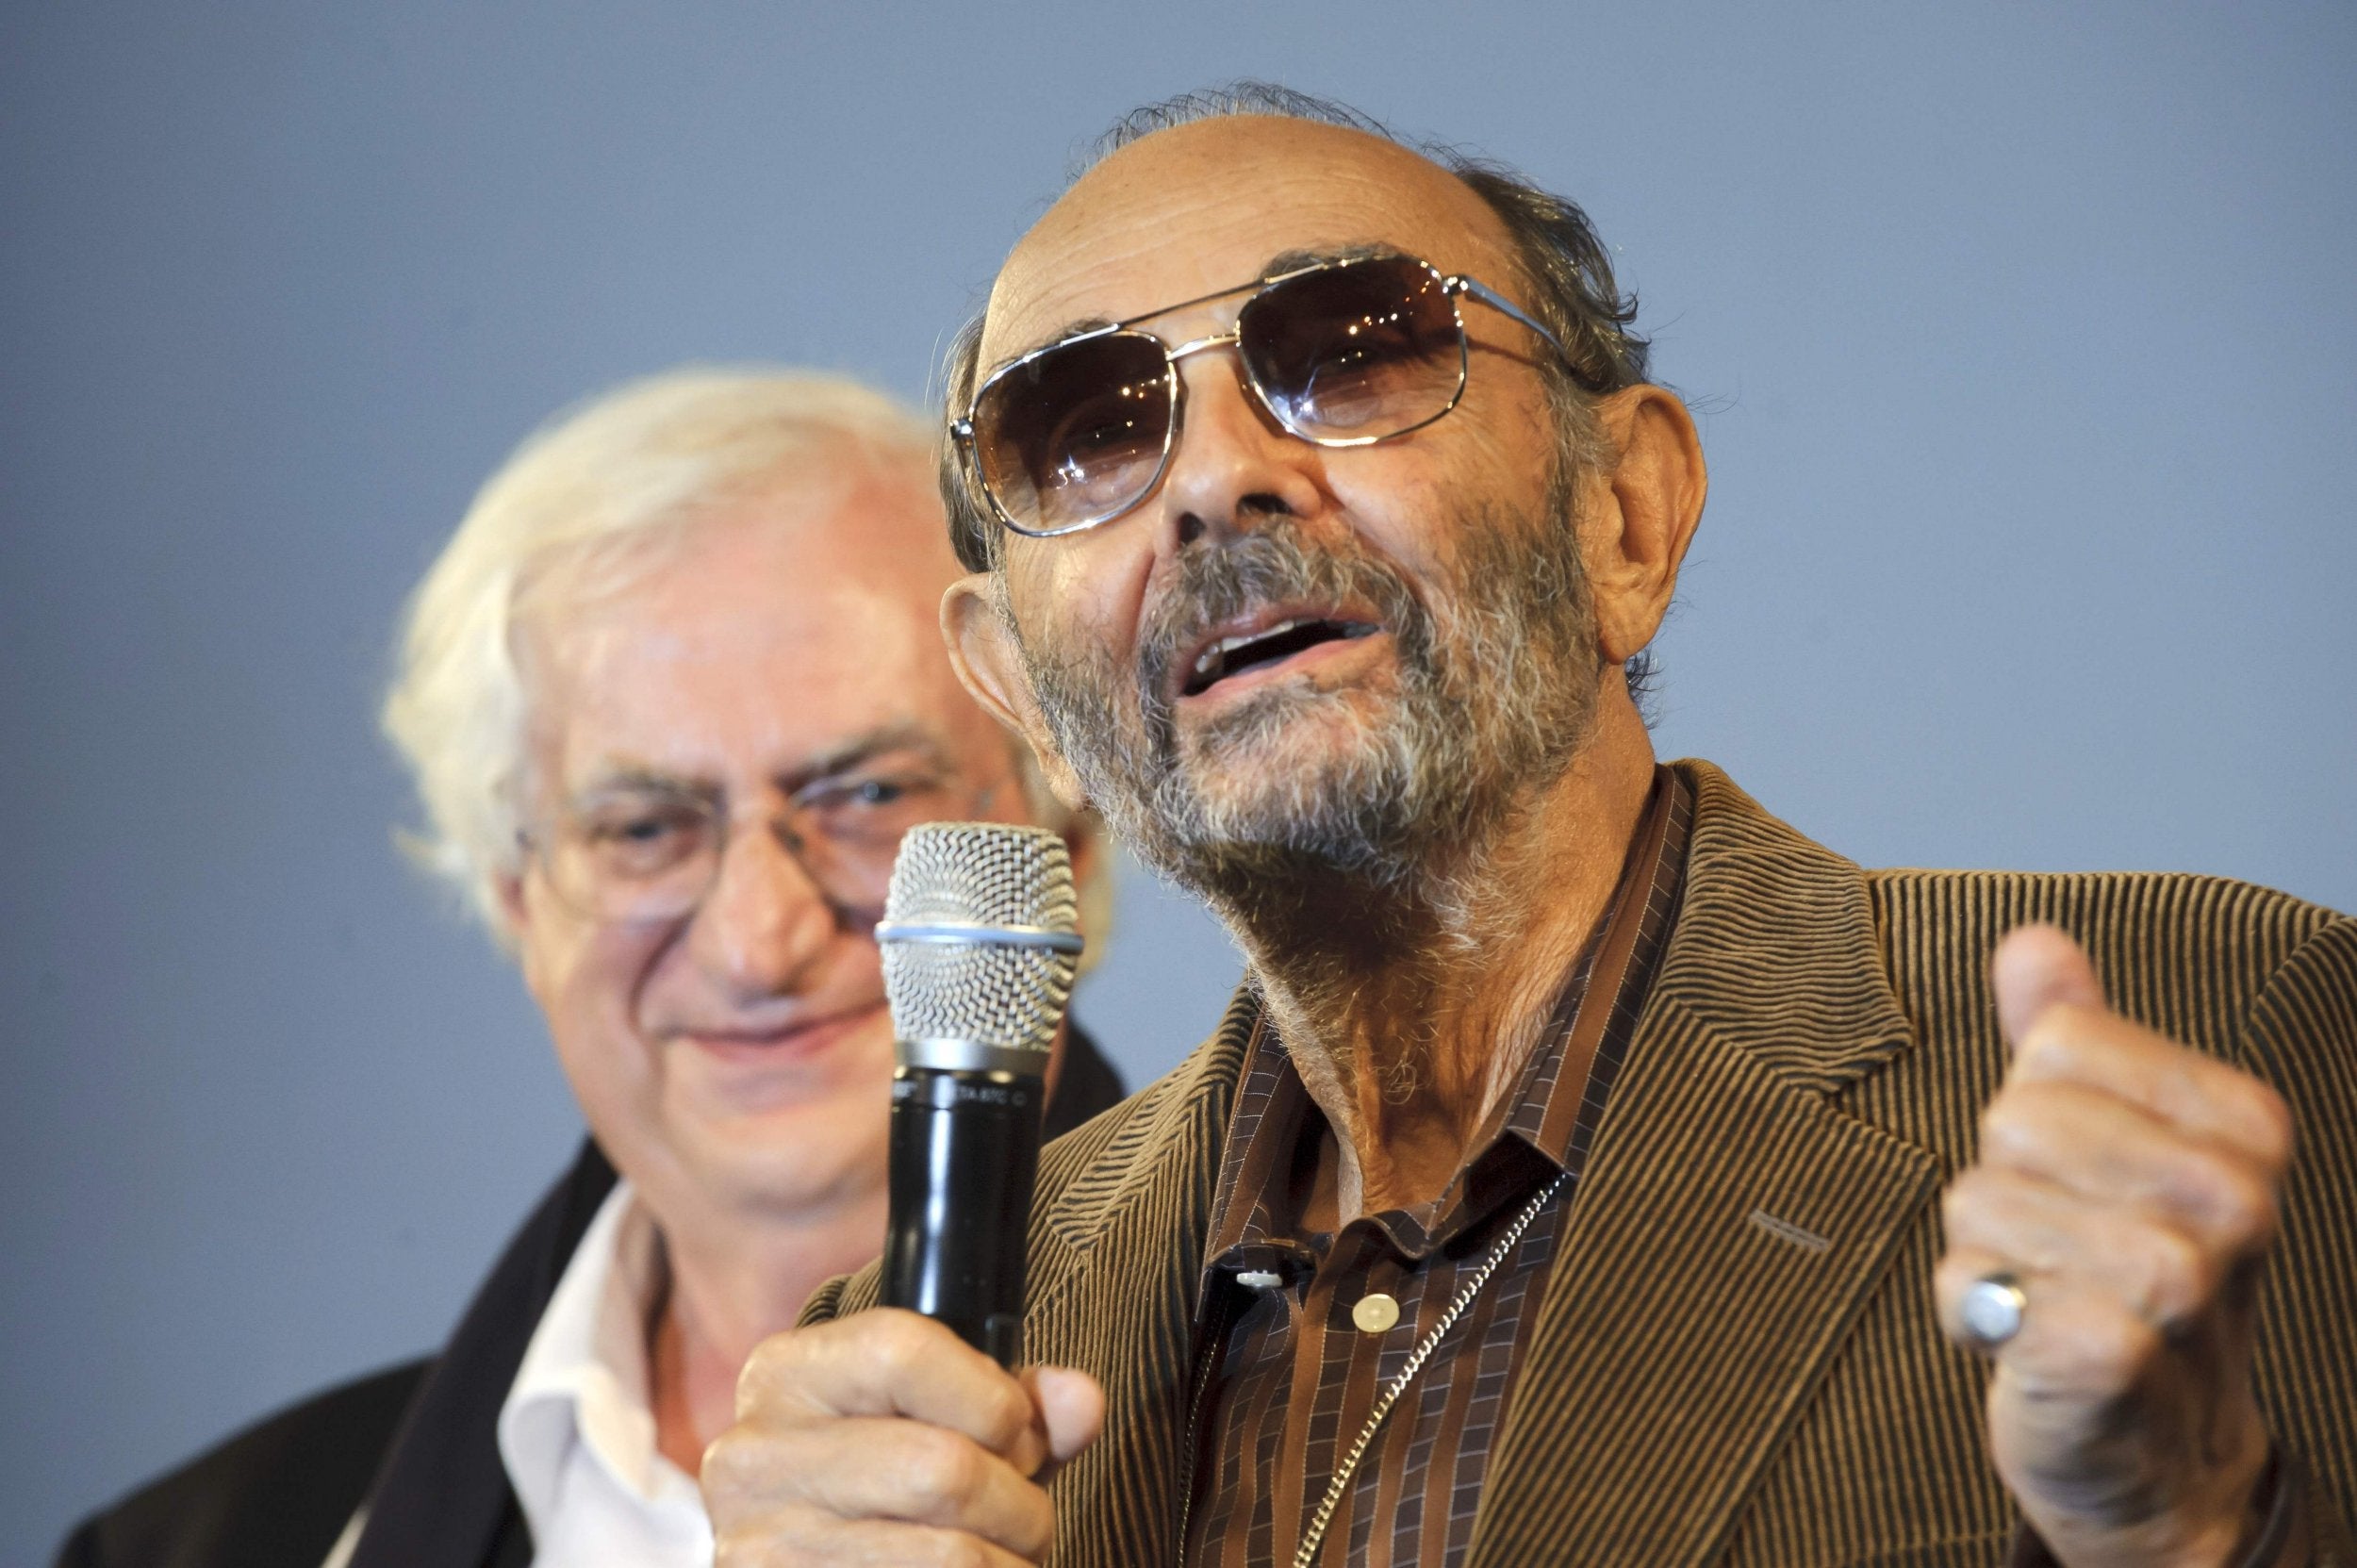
(515,918)
(508,892)
(1637,520)
(982,651)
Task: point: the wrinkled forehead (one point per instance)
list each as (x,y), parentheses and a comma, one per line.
(1210,205)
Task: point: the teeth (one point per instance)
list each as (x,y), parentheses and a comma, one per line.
(1216,654)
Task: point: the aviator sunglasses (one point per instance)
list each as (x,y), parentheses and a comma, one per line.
(1341,353)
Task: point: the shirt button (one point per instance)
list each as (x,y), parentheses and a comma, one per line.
(1375,1312)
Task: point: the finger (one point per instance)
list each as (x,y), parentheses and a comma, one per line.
(1958,1270)
(886,1361)
(873,1467)
(928,1476)
(2162,1274)
(2037,968)
(2114,1156)
(2198,1094)
(2073,1344)
(800,1536)
(1071,1406)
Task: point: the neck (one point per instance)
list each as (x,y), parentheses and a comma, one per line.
(734,1279)
(1410,1015)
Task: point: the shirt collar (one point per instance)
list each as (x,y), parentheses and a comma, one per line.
(1543,1127)
(584,1382)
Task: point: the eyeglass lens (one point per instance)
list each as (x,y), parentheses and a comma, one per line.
(1342,354)
(1354,352)
(1077,433)
(654,857)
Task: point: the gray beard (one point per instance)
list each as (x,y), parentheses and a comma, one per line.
(1496,693)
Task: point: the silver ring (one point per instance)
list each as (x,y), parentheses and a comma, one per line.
(1991,1309)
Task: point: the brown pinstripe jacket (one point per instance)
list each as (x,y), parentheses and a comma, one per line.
(1736,1362)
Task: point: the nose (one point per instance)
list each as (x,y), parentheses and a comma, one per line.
(1232,460)
(765,924)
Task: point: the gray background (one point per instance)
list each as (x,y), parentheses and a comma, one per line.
(2023,334)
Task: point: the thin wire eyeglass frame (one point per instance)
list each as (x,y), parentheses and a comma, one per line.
(1454,286)
(541,843)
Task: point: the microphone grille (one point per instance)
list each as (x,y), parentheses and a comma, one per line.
(989,898)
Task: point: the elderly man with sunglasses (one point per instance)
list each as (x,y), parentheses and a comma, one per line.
(1565,1183)
(672,694)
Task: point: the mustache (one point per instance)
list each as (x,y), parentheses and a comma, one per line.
(1219,580)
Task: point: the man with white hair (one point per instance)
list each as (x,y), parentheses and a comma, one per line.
(671,695)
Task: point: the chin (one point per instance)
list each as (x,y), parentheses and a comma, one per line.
(1289,728)
(1311,766)
(799,1157)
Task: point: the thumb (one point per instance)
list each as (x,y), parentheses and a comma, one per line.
(1071,1407)
(2037,968)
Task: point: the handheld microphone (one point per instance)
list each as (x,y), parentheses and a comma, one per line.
(981,940)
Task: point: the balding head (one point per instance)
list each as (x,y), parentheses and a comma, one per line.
(1204,201)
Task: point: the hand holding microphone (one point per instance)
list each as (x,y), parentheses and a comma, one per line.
(888,1436)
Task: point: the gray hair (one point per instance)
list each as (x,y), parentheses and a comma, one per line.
(576,511)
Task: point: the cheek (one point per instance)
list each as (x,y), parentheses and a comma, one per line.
(589,985)
(1081,593)
(1411,500)
(1499,442)
(1402,511)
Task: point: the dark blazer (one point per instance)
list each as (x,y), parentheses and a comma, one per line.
(1736,1360)
(419,1442)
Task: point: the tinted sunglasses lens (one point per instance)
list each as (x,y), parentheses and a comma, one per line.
(1355,352)
(1076,434)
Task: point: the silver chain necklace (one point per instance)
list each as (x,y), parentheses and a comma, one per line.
(1315,1535)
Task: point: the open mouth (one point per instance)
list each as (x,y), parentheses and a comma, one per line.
(1268,645)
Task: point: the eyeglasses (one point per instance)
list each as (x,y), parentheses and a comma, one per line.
(1343,353)
(649,851)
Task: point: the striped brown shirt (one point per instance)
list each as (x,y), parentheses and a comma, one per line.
(1286,1378)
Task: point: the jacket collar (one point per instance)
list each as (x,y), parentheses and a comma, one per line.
(1762,903)
(1733,1220)
(1775,953)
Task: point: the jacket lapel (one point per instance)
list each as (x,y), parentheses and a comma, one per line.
(441,1496)
(1115,1260)
(1731,1222)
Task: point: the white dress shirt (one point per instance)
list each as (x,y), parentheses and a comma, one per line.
(577,1432)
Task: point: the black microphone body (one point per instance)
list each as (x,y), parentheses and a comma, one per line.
(980,941)
(964,1150)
